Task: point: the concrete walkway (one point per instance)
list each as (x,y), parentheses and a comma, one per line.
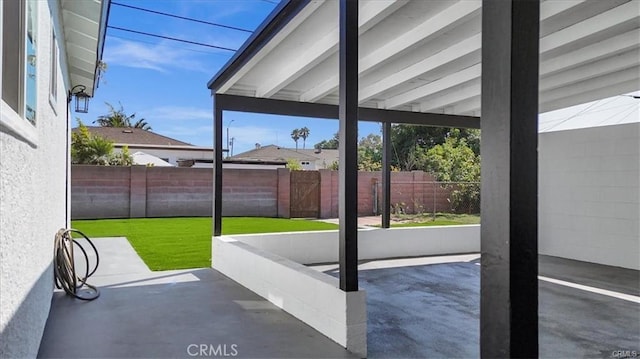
(173,314)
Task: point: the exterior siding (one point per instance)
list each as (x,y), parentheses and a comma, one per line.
(32,206)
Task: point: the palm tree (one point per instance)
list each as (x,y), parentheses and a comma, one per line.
(89,149)
(295,135)
(142,124)
(304,133)
(118,118)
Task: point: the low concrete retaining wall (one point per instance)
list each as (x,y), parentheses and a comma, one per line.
(322,246)
(309,295)
(271,266)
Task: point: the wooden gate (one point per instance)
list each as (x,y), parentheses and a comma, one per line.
(305,194)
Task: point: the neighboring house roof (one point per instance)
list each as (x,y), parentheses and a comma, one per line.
(141,158)
(328,156)
(274,153)
(134,136)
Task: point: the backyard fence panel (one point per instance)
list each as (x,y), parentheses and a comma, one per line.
(138,191)
(175,191)
(435,197)
(305,194)
(100,191)
(250,192)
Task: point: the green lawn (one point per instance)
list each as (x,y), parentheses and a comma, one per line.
(442,219)
(178,243)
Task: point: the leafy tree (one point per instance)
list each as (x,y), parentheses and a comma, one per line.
(407,140)
(294,165)
(122,158)
(331,144)
(370,153)
(334,166)
(295,136)
(455,161)
(118,118)
(89,149)
(304,134)
(96,150)
(472,136)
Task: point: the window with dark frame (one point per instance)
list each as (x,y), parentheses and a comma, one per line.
(12,24)
(19,57)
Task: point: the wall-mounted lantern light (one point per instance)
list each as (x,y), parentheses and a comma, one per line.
(82,98)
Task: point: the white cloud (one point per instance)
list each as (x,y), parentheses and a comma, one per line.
(180,113)
(157,57)
(197,135)
(190,131)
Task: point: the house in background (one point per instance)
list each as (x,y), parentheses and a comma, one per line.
(309,159)
(48,49)
(175,152)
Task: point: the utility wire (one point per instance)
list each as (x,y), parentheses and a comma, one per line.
(572,116)
(172,38)
(182,17)
(164,45)
(632,108)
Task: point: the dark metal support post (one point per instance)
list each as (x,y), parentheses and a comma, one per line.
(509,232)
(386,175)
(217,168)
(348,151)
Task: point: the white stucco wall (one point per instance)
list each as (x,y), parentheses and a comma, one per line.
(32,207)
(589,198)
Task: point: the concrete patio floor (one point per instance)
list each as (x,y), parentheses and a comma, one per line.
(170,314)
(417,308)
(429,307)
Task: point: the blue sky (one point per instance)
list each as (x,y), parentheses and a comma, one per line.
(164,81)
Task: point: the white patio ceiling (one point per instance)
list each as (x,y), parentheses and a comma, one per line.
(84,24)
(424,55)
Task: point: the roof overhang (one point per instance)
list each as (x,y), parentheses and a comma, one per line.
(164,147)
(425,56)
(84,23)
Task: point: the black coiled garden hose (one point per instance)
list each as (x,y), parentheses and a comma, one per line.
(64,267)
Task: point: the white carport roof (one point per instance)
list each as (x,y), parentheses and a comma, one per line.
(143,158)
(84,23)
(424,56)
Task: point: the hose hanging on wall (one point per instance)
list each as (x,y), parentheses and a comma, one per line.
(64,267)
